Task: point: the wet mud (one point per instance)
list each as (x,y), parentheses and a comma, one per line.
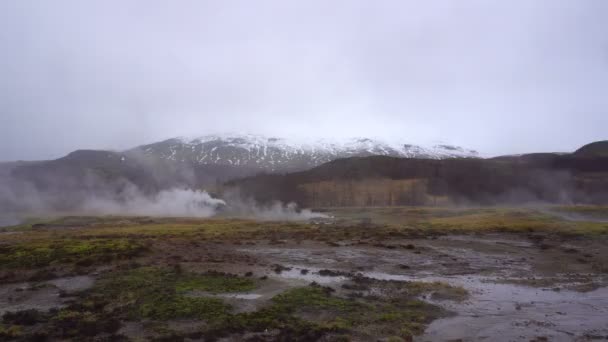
(519,289)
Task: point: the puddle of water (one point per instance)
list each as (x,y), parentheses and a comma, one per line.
(514,312)
(488,239)
(247,296)
(295,273)
(72,284)
(43,296)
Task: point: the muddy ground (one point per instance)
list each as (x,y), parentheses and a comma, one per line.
(435,285)
(518,290)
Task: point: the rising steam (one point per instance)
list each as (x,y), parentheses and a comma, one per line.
(196,203)
(173,202)
(24,201)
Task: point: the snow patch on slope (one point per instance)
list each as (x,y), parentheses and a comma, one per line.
(274,153)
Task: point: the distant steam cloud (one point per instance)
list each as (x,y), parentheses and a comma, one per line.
(25,200)
(173,202)
(289,212)
(197,203)
(96,195)
(275,211)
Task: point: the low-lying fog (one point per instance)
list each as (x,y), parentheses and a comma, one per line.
(176,202)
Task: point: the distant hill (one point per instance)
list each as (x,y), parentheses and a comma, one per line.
(595,149)
(65,182)
(261,170)
(273,154)
(382,181)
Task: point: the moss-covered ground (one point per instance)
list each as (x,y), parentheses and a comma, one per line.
(154,272)
(152,294)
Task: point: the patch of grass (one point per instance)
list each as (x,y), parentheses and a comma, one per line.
(8,332)
(438,290)
(494,220)
(389,222)
(156,293)
(72,323)
(409,289)
(24,317)
(281,314)
(44,253)
(403,221)
(597,211)
(145,293)
(514,221)
(170,306)
(214,283)
(310,312)
(314,297)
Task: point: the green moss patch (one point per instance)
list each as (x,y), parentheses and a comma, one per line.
(309,312)
(438,290)
(214,283)
(8,332)
(84,252)
(156,293)
(75,323)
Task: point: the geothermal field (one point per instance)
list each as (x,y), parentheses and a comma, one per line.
(387,274)
(303,171)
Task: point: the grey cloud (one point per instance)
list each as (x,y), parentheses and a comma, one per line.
(500,77)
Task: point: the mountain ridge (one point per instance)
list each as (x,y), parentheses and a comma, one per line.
(279,154)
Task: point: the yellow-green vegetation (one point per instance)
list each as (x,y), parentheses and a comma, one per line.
(145,227)
(590,210)
(357,314)
(439,290)
(145,293)
(151,292)
(79,323)
(148,282)
(164,294)
(214,283)
(81,251)
(449,220)
(8,332)
(309,312)
(516,221)
(348,223)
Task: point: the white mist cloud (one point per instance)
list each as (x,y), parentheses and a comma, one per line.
(497,76)
(173,202)
(195,203)
(275,211)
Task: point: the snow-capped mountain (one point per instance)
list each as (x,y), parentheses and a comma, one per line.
(279,154)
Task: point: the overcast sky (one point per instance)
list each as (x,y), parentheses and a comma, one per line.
(497,76)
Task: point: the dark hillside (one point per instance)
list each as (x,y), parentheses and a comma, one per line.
(595,149)
(383,180)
